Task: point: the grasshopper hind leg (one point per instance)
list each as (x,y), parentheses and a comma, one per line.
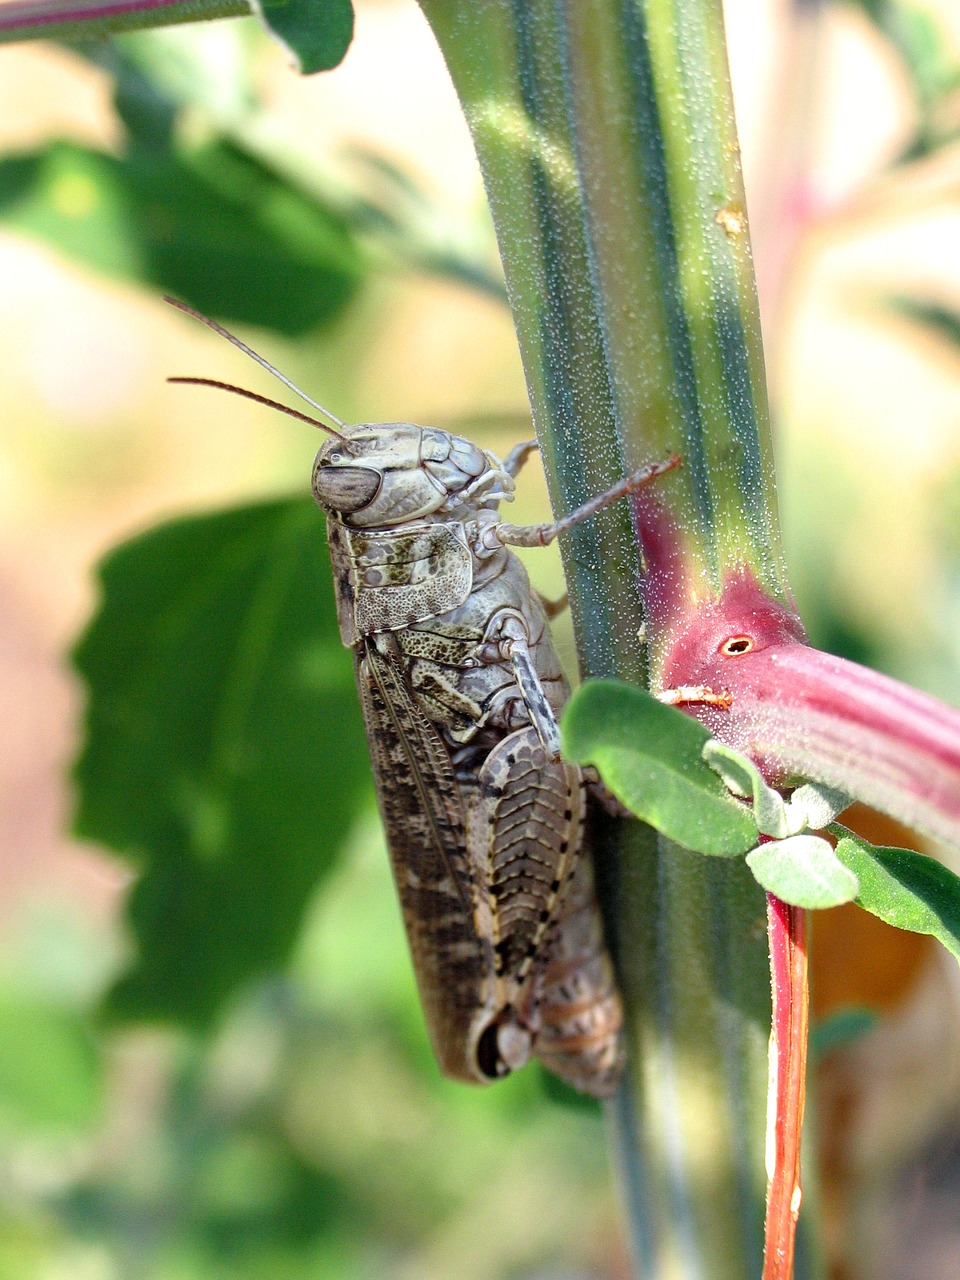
(553,994)
(524,830)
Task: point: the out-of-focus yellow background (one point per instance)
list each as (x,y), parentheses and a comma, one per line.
(162,1163)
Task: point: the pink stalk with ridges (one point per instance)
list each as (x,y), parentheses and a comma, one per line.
(801,713)
(787,934)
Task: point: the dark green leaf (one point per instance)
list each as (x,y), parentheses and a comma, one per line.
(215,227)
(804,871)
(903,888)
(943,322)
(649,755)
(317,32)
(842,1028)
(224,751)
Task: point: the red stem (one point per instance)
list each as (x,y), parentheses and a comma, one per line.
(23,17)
(787,933)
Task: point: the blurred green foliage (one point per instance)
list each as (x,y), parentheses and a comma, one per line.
(309,1135)
(199,204)
(215,226)
(920,43)
(208,220)
(217,685)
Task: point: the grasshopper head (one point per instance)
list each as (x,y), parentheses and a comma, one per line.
(385,474)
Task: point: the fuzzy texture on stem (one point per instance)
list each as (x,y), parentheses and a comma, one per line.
(605,133)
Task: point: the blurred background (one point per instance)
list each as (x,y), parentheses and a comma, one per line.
(208,1084)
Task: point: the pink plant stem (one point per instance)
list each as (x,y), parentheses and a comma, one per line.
(787,933)
(21,17)
(800,713)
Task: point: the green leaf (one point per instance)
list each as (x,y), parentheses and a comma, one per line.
(903,888)
(743,778)
(316,32)
(811,806)
(50,1072)
(814,806)
(213,226)
(649,755)
(804,871)
(224,752)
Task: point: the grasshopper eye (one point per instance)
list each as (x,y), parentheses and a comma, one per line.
(345,490)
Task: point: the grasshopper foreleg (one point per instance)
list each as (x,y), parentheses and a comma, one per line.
(541,535)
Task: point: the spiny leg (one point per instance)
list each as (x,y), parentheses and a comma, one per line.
(507,639)
(541,535)
(534,697)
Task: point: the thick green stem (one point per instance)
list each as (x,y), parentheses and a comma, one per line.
(605,133)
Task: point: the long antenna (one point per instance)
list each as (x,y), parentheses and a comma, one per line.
(252,395)
(230,337)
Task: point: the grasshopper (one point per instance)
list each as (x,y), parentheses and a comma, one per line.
(461,688)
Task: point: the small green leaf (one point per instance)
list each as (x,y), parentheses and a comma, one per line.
(744,779)
(804,871)
(224,751)
(649,755)
(811,807)
(814,806)
(903,888)
(739,773)
(316,32)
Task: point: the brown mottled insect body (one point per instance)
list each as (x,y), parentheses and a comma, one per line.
(461,689)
